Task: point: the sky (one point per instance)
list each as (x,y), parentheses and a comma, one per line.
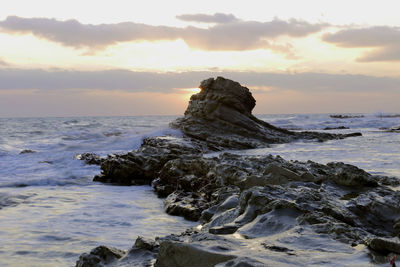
(125,57)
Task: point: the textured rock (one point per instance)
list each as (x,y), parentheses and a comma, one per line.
(90,158)
(223,230)
(256,195)
(144,243)
(221,116)
(186,204)
(182,255)
(278,248)
(384,245)
(99,256)
(349,175)
(142,166)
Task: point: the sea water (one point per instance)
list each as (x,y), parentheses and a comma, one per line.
(51,211)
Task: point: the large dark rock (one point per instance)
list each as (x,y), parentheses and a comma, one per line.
(278,206)
(144,243)
(180,254)
(90,158)
(99,256)
(142,166)
(384,245)
(221,116)
(186,204)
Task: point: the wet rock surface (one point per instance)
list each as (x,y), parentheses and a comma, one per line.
(90,158)
(142,166)
(100,256)
(182,254)
(253,210)
(384,245)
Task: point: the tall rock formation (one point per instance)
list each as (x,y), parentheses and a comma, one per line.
(221,115)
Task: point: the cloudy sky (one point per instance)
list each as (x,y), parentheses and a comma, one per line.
(125,57)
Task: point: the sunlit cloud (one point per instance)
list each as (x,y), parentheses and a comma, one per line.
(384,42)
(237,35)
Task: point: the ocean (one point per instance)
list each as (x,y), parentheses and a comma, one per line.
(51,211)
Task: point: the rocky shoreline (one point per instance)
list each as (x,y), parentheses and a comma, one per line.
(253,210)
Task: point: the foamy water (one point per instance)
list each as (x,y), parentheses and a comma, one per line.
(51,211)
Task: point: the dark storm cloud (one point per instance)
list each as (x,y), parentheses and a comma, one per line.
(205,18)
(384,42)
(14,79)
(237,35)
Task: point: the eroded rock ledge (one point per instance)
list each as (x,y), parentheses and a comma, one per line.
(254,210)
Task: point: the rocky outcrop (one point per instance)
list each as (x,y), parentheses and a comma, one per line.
(252,209)
(220,115)
(262,199)
(142,166)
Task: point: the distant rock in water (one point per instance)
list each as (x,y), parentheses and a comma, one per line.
(395,129)
(221,116)
(346,116)
(27,151)
(388,116)
(336,128)
(108,134)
